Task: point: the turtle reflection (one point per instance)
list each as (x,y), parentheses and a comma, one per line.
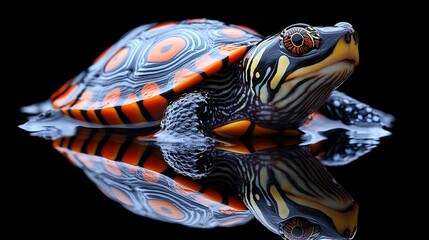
(280,182)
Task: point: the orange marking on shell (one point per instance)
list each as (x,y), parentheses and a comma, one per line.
(116,60)
(150,176)
(84,99)
(236,204)
(196,20)
(112,167)
(72,158)
(111,116)
(131,109)
(112,98)
(184,79)
(166,49)
(77,144)
(93,144)
(209,65)
(111,148)
(154,103)
(234,52)
(104,191)
(121,196)
(91,113)
(231,222)
(64,111)
(156,106)
(87,162)
(209,196)
(155,162)
(84,133)
(101,55)
(61,89)
(56,142)
(233,32)
(134,153)
(132,169)
(166,209)
(234,129)
(163,25)
(81,104)
(77,114)
(263,131)
(66,142)
(149,90)
(185,186)
(108,112)
(64,98)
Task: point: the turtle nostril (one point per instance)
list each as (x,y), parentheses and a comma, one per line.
(349,35)
(356,37)
(347,234)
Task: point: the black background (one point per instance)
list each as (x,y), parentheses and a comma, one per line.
(51,45)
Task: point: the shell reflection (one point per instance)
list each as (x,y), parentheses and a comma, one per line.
(280,182)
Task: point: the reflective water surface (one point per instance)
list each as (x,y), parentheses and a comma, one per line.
(283,183)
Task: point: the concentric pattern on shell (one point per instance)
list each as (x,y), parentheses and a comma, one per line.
(134,80)
(134,174)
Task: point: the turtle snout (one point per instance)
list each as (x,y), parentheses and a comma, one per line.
(344,25)
(351,33)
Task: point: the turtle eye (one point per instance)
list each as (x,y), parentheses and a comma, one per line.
(300,228)
(299,40)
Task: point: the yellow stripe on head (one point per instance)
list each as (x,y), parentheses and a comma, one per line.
(255,61)
(281,70)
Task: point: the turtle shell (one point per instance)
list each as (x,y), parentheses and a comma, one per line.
(134,80)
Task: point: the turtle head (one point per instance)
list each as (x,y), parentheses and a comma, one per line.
(294,195)
(294,72)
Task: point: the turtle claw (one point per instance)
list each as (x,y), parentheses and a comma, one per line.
(342,148)
(46,125)
(48,133)
(352,112)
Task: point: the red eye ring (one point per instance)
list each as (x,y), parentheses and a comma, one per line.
(299,41)
(300,228)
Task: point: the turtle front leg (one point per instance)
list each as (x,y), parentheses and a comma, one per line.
(183,126)
(183,120)
(350,111)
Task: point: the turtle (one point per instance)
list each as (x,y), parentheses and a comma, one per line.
(203,77)
(281,184)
